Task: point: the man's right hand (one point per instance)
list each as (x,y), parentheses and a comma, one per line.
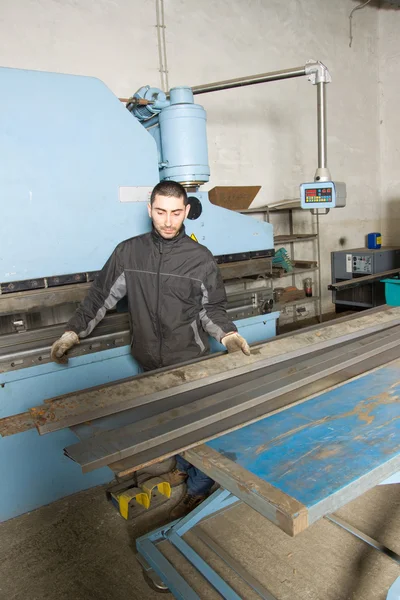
(62,345)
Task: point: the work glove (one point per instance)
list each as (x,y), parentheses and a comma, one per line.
(62,345)
(234,342)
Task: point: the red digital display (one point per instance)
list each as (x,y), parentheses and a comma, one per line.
(318,195)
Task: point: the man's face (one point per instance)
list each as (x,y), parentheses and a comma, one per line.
(168,214)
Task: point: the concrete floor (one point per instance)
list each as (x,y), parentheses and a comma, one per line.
(80,549)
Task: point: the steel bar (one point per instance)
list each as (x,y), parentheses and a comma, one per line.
(17,423)
(364,537)
(157,409)
(233,564)
(180,405)
(228,84)
(106,448)
(352,283)
(106,400)
(302,394)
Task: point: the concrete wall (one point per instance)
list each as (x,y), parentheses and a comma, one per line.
(389,78)
(263,135)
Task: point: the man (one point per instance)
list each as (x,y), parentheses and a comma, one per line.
(176,298)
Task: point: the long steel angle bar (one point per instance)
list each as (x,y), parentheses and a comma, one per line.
(185,404)
(155,409)
(299,395)
(212,401)
(118,444)
(194,400)
(78,410)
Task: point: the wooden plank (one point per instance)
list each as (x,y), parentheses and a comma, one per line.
(280,508)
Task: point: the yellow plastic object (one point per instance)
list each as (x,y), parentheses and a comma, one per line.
(163,487)
(124,499)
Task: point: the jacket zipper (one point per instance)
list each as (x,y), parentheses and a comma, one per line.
(160,249)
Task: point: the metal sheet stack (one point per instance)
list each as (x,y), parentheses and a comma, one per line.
(138,421)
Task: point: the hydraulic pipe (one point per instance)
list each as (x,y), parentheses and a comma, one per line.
(249,80)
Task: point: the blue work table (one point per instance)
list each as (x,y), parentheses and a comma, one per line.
(293,467)
(298,465)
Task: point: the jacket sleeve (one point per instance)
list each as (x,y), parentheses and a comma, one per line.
(108,287)
(214,318)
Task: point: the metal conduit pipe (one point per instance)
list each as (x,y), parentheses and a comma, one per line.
(321,115)
(217,86)
(316,72)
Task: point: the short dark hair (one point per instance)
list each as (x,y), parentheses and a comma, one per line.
(169,188)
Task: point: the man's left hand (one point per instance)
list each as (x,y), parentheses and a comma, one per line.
(234,342)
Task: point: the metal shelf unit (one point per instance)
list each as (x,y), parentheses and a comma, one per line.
(292,238)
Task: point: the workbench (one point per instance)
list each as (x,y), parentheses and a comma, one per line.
(293,467)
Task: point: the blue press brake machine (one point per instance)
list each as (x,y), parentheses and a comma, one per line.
(76,170)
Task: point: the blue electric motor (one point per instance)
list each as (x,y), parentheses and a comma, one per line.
(178,126)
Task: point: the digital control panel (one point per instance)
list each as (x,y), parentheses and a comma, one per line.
(325,194)
(313,195)
(362,264)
